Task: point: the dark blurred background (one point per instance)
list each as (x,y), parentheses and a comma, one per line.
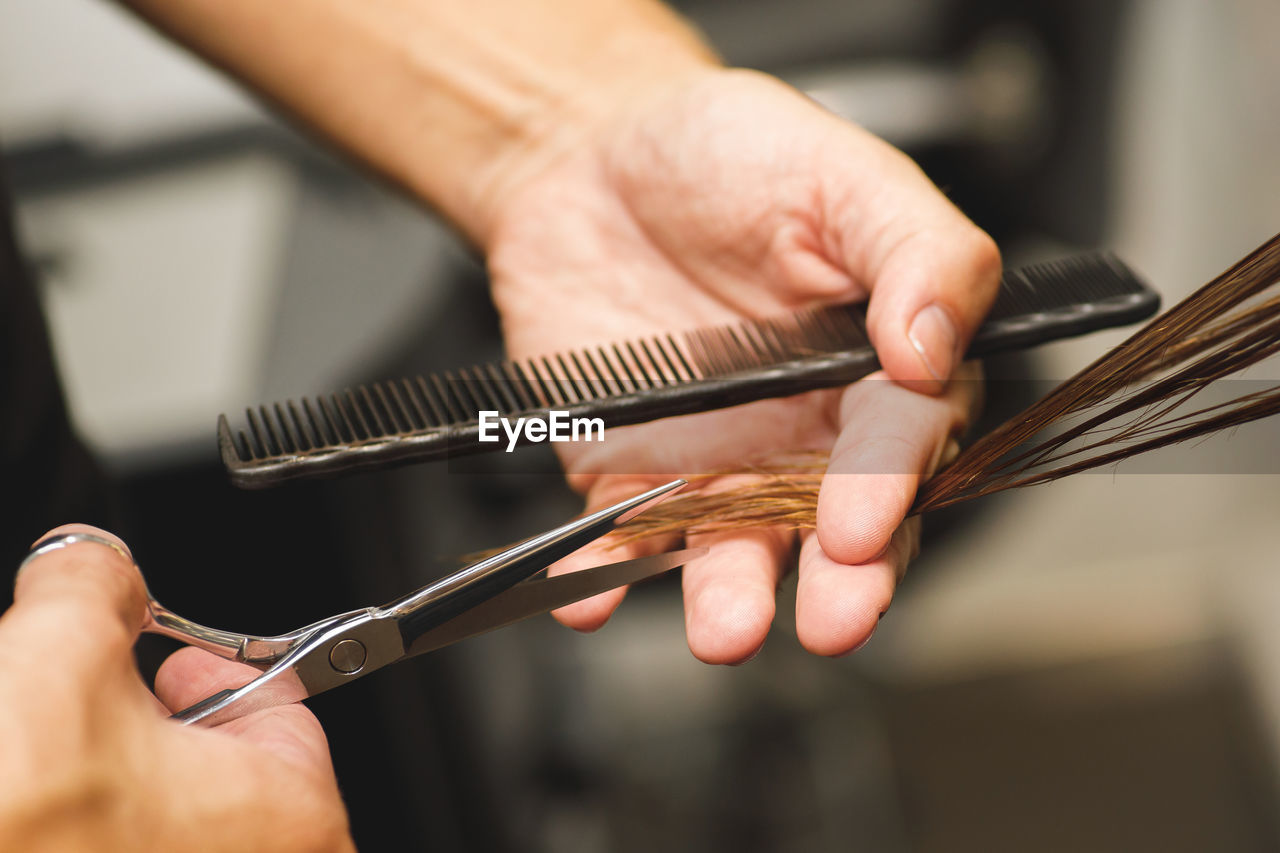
(1092,665)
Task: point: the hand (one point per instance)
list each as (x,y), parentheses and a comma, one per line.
(92,761)
(722,195)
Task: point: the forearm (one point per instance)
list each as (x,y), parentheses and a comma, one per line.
(454,102)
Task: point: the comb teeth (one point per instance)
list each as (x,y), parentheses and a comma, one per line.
(1055,285)
(647,378)
(393,410)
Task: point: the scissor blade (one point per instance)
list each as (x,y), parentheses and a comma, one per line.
(543,595)
(438,603)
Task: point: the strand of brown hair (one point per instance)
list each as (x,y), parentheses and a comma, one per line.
(1138,397)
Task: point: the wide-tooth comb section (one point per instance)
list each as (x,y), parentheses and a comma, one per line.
(645,378)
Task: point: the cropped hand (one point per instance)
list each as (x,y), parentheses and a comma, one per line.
(724,195)
(621,183)
(94,763)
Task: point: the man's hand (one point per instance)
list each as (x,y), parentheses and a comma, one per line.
(729,195)
(92,761)
(623,183)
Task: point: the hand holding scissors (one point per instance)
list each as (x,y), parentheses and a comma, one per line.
(485,595)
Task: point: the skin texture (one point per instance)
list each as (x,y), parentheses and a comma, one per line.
(732,196)
(620,183)
(99,766)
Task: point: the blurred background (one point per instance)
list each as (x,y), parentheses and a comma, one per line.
(1093,664)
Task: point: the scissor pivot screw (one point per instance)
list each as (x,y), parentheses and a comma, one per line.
(347,656)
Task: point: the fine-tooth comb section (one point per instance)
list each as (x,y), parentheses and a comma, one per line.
(646,378)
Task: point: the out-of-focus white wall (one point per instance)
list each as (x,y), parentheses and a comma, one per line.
(90,68)
(1114,562)
(1198,186)
(181,287)
(1197,181)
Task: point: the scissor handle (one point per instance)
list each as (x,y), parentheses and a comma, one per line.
(318,662)
(252,649)
(338,650)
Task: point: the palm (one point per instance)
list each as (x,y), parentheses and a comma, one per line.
(659,245)
(715,205)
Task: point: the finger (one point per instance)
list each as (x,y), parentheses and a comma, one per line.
(590,614)
(932,273)
(838,606)
(289,731)
(730,594)
(189,675)
(79,608)
(891,438)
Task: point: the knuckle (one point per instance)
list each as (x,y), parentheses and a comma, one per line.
(983,249)
(983,260)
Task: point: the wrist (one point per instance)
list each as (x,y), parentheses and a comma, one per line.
(457,103)
(585,97)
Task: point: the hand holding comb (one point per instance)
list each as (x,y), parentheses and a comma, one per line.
(1145,394)
(628,382)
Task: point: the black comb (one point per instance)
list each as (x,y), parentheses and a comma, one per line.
(415,420)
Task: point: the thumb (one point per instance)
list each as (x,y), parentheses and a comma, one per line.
(928,298)
(932,274)
(79,606)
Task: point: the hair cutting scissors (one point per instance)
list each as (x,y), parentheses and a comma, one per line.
(485,595)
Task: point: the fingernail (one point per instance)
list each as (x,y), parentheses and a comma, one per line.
(933,336)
